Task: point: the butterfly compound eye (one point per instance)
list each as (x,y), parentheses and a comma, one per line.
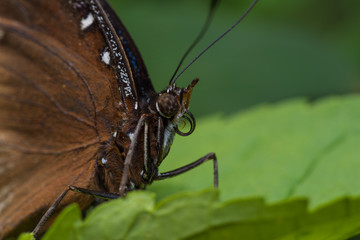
(167,105)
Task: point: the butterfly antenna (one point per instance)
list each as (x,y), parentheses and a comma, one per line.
(216,40)
(201,34)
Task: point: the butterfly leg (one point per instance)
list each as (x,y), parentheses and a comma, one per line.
(130,155)
(52,208)
(127,164)
(97,194)
(173,173)
(48,214)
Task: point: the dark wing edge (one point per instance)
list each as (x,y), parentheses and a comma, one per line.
(142,80)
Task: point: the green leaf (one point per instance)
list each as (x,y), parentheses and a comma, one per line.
(199,215)
(287,171)
(65,224)
(112,220)
(339,220)
(26,236)
(281,151)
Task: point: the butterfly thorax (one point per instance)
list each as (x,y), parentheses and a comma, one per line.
(162,115)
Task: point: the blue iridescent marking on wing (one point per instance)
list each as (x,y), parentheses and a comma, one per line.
(132,59)
(129,53)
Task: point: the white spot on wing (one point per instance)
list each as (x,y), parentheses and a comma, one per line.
(86,22)
(115,134)
(131,136)
(105,57)
(136,105)
(104,161)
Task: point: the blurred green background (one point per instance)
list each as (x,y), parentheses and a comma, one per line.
(283,49)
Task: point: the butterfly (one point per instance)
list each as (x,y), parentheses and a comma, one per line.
(78,111)
(77,107)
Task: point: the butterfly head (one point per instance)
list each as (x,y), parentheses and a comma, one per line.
(172,107)
(173,104)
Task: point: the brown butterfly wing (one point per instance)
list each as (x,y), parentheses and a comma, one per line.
(58,103)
